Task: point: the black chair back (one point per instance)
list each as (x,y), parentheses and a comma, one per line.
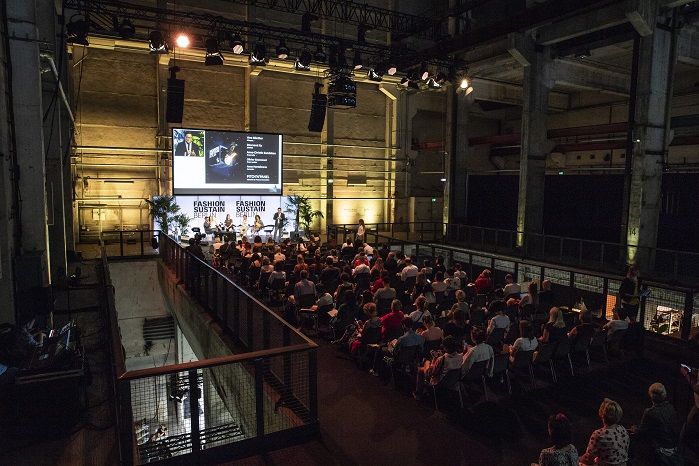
(277,284)
(477,370)
(477,316)
(391,333)
(545,353)
(581,344)
(479,301)
(495,338)
(599,339)
(306,300)
(371,335)
(522,359)
(500,364)
(383,306)
(563,348)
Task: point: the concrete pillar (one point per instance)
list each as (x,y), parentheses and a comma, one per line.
(459,175)
(654,89)
(393,135)
(537,84)
(327,181)
(251,80)
(28,112)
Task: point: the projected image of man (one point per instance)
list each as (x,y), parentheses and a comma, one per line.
(189,147)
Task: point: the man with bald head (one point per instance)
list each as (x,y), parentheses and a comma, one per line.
(656,438)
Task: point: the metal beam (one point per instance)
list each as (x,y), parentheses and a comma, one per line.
(688,45)
(595,20)
(584,76)
(511,93)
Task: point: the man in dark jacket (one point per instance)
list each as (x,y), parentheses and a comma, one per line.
(658,430)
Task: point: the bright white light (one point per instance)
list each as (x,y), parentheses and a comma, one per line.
(392,70)
(237,49)
(464,83)
(182,41)
(468,91)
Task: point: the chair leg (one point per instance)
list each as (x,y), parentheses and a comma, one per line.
(553,371)
(485,390)
(461,399)
(587,355)
(570,362)
(434,394)
(604,351)
(509,384)
(531,375)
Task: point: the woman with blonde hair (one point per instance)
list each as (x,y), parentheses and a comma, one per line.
(555,328)
(610,444)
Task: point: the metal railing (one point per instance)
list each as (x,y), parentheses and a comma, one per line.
(227,407)
(670,265)
(670,309)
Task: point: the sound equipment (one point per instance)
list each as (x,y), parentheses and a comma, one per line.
(175,100)
(318,107)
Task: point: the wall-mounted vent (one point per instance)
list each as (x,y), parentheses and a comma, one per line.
(159,328)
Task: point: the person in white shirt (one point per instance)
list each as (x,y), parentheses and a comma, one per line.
(360,269)
(480,352)
(409,270)
(431,332)
(420,311)
(499,321)
(618,322)
(453,282)
(510,286)
(460,274)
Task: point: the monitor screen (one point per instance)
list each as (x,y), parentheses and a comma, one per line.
(226,162)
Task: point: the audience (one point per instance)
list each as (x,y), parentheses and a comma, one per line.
(434,370)
(563,452)
(610,444)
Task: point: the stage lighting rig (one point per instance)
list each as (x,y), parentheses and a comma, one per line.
(342,90)
(157,43)
(77,30)
(237,44)
(214,56)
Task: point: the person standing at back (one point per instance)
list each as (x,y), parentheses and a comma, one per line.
(360,230)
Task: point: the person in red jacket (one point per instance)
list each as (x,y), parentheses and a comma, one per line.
(484,282)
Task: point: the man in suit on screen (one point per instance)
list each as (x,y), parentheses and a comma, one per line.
(188,147)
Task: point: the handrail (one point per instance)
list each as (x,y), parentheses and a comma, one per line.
(213,362)
(118,355)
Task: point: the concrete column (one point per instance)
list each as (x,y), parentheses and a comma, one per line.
(459,174)
(654,89)
(537,84)
(393,135)
(327,181)
(28,110)
(251,80)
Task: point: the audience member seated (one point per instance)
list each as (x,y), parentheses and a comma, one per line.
(427,269)
(344,286)
(484,283)
(456,326)
(419,286)
(480,351)
(304,287)
(26,338)
(438,285)
(563,452)
(434,370)
(385,292)
(409,270)
(363,328)
(377,270)
(390,263)
(452,281)
(346,313)
(420,311)
(500,320)
(429,331)
(656,438)
(618,322)
(278,256)
(610,444)
(394,318)
(532,296)
(409,338)
(460,274)
(547,298)
(526,342)
(555,328)
(511,288)
(585,329)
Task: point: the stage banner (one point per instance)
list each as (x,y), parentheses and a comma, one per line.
(219,207)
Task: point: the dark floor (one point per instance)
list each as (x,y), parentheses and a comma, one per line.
(365,420)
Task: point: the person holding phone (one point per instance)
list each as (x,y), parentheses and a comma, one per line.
(629,292)
(434,370)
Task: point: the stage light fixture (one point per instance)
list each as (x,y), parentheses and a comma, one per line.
(282,50)
(413,85)
(182,41)
(404,82)
(303,62)
(342,91)
(214,56)
(319,55)
(441,78)
(464,83)
(392,69)
(157,43)
(432,84)
(374,75)
(77,31)
(259,55)
(125,29)
(468,90)
(357,60)
(237,44)
(424,72)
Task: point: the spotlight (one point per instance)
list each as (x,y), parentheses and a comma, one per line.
(374,75)
(357,61)
(182,41)
(125,29)
(424,72)
(282,50)
(303,62)
(319,55)
(76,31)
(237,44)
(392,69)
(213,53)
(156,43)
(413,85)
(441,78)
(404,82)
(433,84)
(259,54)
(468,90)
(464,83)
(306,21)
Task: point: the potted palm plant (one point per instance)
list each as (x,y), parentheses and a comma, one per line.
(299,207)
(167,214)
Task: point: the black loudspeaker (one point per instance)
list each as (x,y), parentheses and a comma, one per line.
(320,103)
(175,100)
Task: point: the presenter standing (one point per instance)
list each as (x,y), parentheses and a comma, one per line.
(360,231)
(279,219)
(188,148)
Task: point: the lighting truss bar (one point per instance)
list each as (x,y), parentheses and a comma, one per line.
(348,12)
(146,17)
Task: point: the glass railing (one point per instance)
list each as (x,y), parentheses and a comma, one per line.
(265,397)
